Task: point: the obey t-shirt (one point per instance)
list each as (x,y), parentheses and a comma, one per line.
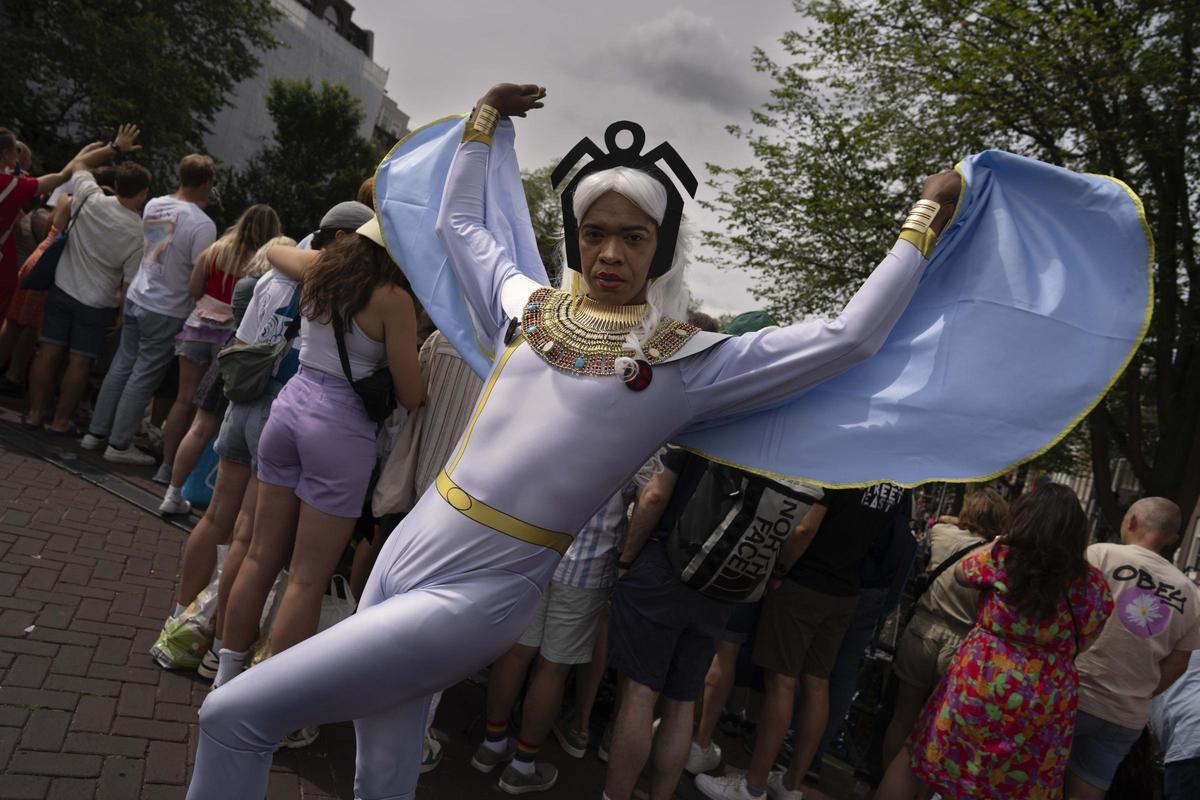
(1156,610)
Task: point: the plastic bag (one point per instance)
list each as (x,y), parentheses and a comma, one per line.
(262,648)
(338,604)
(185,639)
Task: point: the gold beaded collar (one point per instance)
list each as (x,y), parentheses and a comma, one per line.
(590,314)
(577,334)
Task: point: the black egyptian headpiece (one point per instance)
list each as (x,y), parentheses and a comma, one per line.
(631,156)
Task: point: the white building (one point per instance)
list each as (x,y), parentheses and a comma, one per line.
(318,41)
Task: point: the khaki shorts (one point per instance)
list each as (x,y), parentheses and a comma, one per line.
(801,630)
(925,651)
(564,624)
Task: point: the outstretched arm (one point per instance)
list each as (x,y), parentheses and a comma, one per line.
(763,369)
(493,285)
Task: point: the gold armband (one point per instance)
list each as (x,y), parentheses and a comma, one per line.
(916,226)
(481,127)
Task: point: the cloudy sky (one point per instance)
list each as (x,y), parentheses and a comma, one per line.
(681,69)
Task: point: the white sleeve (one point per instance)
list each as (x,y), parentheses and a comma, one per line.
(492,284)
(763,369)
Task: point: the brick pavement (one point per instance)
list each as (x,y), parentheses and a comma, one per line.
(86,580)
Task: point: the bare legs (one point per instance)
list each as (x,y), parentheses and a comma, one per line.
(909,702)
(214,528)
(718,684)
(588,678)
(505,680)
(320,540)
(42,379)
(190,374)
(192,447)
(633,737)
(275,514)
(242,530)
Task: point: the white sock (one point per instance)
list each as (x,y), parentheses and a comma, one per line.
(523,767)
(230,665)
(179,607)
(216,646)
(498,746)
(173,493)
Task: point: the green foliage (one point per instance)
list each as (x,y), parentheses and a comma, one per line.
(317,158)
(873,96)
(545,211)
(75,70)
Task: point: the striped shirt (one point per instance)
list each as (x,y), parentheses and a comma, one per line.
(451,390)
(591,560)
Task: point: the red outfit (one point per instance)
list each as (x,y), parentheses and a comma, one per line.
(1000,723)
(14,193)
(220,284)
(27,304)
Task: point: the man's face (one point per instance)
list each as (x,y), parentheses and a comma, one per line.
(616,245)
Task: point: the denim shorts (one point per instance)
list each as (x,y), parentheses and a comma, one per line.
(1098,749)
(69,323)
(242,427)
(198,351)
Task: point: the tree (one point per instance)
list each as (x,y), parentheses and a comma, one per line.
(317,158)
(876,95)
(545,211)
(75,70)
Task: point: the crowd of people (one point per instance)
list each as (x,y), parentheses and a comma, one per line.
(1029,663)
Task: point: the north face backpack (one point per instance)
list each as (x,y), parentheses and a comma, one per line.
(725,542)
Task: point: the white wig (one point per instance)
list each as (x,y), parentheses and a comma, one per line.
(667,295)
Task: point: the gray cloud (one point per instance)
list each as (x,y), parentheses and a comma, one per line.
(684,56)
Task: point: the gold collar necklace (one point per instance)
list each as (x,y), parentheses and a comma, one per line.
(577,334)
(602,317)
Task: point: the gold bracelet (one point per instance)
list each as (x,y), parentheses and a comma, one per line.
(921,216)
(481,128)
(916,228)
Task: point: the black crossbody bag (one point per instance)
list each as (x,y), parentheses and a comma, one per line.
(377,391)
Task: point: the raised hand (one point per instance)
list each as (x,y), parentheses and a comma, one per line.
(127,137)
(514,99)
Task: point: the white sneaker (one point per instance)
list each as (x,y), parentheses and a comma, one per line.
(174,505)
(726,787)
(163,474)
(89,442)
(301,738)
(777,791)
(207,668)
(431,755)
(703,759)
(130,455)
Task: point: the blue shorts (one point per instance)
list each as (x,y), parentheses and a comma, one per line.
(242,427)
(69,323)
(1098,749)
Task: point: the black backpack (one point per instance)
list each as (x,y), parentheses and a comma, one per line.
(725,540)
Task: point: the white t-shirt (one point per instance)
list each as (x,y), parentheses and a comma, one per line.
(104,247)
(1156,610)
(267,319)
(176,233)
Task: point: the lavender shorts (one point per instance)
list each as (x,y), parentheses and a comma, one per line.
(319,442)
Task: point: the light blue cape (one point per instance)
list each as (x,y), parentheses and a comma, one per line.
(1035,300)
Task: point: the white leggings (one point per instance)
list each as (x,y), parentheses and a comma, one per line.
(446,597)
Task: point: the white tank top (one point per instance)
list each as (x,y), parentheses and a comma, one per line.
(318,350)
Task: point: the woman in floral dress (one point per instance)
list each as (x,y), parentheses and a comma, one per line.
(1000,723)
